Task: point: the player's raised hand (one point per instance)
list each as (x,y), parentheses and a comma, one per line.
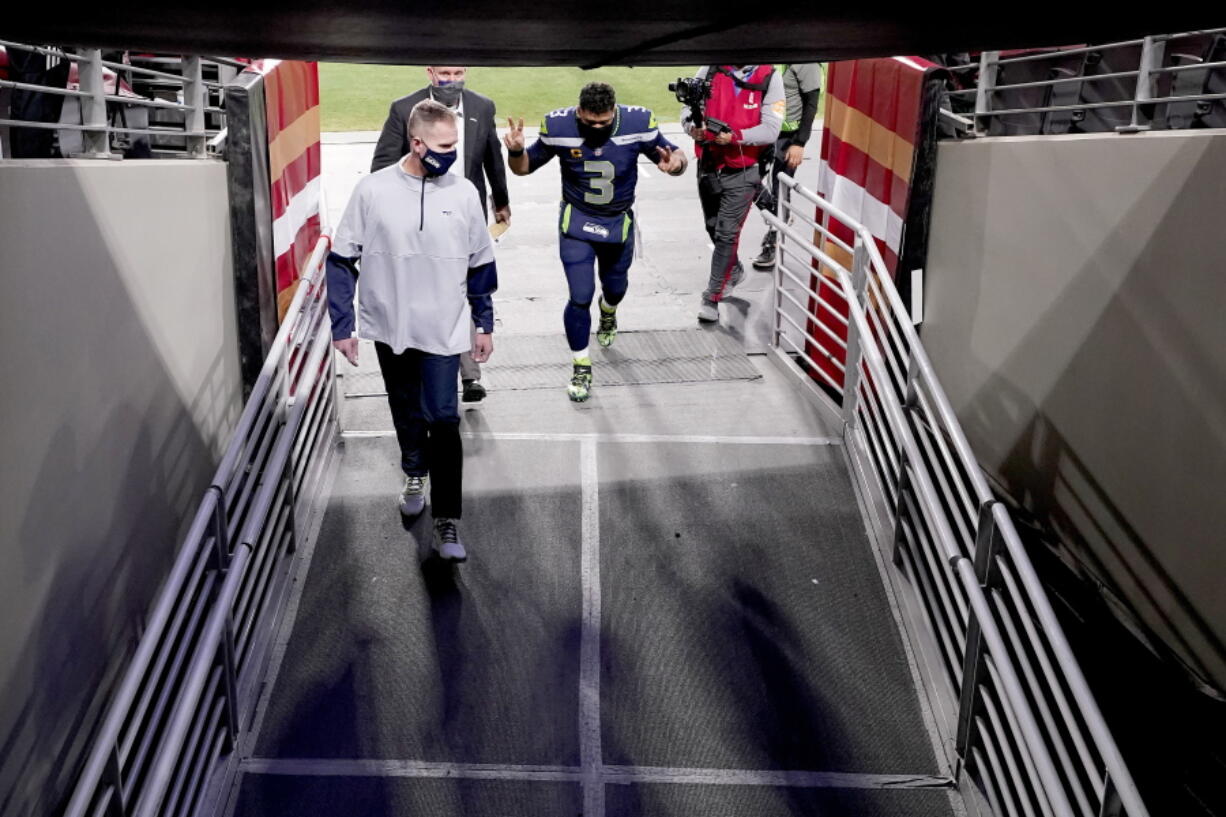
(514,139)
(665,162)
(672,161)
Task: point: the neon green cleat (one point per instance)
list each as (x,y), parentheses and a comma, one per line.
(580,386)
(607,330)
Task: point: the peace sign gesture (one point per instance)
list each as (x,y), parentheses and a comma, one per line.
(671,161)
(514,140)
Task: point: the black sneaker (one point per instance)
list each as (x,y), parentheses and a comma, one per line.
(766,258)
(474,392)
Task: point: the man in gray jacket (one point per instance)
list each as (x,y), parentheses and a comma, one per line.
(802,86)
(417,237)
(480,158)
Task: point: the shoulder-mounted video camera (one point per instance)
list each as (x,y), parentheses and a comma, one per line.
(694,92)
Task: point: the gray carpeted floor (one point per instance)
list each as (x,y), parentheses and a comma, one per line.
(543,362)
(393,658)
(745,622)
(744,626)
(286,796)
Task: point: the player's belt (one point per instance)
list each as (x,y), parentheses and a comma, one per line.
(587,227)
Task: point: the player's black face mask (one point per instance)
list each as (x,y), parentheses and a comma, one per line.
(447,93)
(595,135)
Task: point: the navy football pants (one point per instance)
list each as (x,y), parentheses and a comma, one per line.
(580,259)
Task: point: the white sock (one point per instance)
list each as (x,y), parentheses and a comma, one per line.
(580,355)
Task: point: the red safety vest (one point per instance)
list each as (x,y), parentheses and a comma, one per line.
(740,111)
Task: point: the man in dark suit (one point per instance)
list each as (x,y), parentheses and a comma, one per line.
(481,157)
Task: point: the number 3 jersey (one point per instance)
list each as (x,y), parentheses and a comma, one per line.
(599,180)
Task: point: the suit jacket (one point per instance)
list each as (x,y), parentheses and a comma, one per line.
(482,153)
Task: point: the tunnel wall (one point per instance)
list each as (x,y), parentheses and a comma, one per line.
(1074,298)
(121,384)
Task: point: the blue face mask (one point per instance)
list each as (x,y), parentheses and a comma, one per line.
(438,163)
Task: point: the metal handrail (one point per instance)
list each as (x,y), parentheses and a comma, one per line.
(139,101)
(1148,100)
(1185,34)
(1046,83)
(1066,52)
(1029,729)
(152,738)
(1089,106)
(95,125)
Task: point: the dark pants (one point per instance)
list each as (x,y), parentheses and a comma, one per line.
(579,259)
(772,161)
(34,106)
(726,198)
(422,395)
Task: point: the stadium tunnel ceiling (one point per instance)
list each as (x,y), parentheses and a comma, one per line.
(585,33)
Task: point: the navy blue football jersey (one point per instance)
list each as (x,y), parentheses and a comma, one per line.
(601,179)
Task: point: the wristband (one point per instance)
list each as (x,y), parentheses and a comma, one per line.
(515,154)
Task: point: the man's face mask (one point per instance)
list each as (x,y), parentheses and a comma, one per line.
(447,92)
(595,134)
(437,162)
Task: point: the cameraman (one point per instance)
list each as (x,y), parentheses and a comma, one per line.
(802,87)
(742,114)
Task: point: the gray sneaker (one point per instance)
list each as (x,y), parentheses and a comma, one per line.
(413,495)
(738,275)
(447,541)
(708,312)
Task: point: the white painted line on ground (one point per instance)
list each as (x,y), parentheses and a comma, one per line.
(590,752)
(615,775)
(626,775)
(579,437)
(330,767)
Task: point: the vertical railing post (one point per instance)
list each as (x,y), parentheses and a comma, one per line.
(900,506)
(221,543)
(1112,806)
(1152,51)
(113,774)
(96,137)
(851,367)
(230,671)
(784,207)
(222,555)
(910,396)
(194,97)
(291,495)
(988,543)
(287,387)
(989,64)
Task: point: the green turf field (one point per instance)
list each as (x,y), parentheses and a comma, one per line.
(356,97)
